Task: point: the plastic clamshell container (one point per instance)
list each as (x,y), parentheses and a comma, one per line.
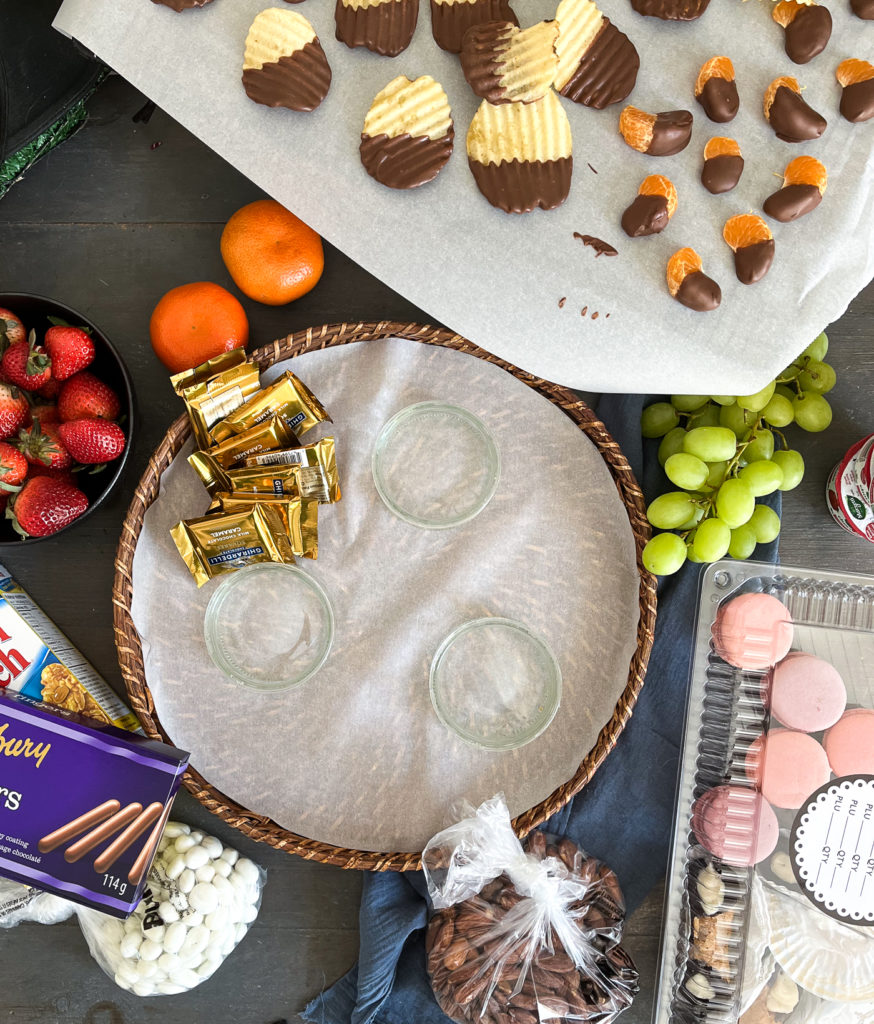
(781,926)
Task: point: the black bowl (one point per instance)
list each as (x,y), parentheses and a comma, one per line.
(34,311)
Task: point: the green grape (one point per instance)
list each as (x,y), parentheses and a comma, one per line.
(686,471)
(791,371)
(668,511)
(786,392)
(711,540)
(819,377)
(817,348)
(779,412)
(758,401)
(711,444)
(723,399)
(765,523)
(715,476)
(738,420)
(657,419)
(691,523)
(690,552)
(743,541)
(812,412)
(734,502)
(706,417)
(762,477)
(664,554)
(672,443)
(688,403)
(791,466)
(760,447)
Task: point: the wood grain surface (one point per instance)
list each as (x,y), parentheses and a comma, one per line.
(107,223)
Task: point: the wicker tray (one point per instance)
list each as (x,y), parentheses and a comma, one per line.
(130,655)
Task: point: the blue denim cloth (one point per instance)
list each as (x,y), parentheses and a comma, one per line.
(623,816)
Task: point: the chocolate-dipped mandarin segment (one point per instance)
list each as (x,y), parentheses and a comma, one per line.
(807,28)
(804,183)
(383,26)
(503,64)
(181,5)
(284,63)
(856,79)
(716,90)
(597,64)
(752,243)
(408,133)
(787,113)
(723,165)
(689,285)
(656,134)
(520,154)
(863,9)
(652,208)
(451,19)
(671,10)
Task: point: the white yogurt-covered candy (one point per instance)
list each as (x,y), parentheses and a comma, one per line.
(174,829)
(128,972)
(146,968)
(222,868)
(133,924)
(176,866)
(212,846)
(143,987)
(241,931)
(174,937)
(250,912)
(122,982)
(195,940)
(169,988)
(193,920)
(208,967)
(168,962)
(196,857)
(231,856)
(217,920)
(187,881)
(204,898)
(221,885)
(185,977)
(206,873)
(197,835)
(246,869)
(150,950)
(155,933)
(130,944)
(167,912)
(184,843)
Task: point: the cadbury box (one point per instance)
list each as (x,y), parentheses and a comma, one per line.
(82,803)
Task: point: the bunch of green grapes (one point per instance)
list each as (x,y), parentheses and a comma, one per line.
(723,452)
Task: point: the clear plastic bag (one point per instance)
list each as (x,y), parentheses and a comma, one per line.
(20,903)
(523,933)
(200,900)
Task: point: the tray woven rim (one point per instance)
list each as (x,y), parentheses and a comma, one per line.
(127,641)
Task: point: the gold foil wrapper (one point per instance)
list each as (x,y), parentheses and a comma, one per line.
(276,480)
(211,396)
(226,541)
(300,516)
(287,397)
(317,475)
(272,433)
(206,371)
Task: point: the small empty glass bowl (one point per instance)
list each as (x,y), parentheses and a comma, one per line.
(435,465)
(495,684)
(269,626)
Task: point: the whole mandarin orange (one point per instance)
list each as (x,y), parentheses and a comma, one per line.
(194,322)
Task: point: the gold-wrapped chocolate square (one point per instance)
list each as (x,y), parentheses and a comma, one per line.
(266,436)
(215,389)
(300,516)
(317,475)
(288,397)
(277,480)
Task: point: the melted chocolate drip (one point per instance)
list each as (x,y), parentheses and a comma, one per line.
(519,186)
(647,215)
(670,133)
(792,119)
(863,9)
(752,262)
(808,33)
(384,28)
(719,99)
(671,10)
(181,5)
(405,161)
(562,301)
(699,292)
(601,247)
(607,70)
(721,173)
(449,21)
(857,101)
(299,81)
(792,202)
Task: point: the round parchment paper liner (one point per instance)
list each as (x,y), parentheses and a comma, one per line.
(355,763)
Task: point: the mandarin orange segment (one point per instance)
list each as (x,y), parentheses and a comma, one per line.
(636,128)
(720,145)
(659,185)
(745,229)
(852,71)
(716,67)
(680,265)
(806,170)
(771,91)
(785,11)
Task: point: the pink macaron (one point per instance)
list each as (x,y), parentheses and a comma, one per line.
(849,743)
(806,693)
(736,824)
(787,767)
(753,631)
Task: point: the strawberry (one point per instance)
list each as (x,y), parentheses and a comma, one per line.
(50,390)
(92,441)
(13,410)
(11,329)
(70,349)
(42,443)
(13,468)
(43,413)
(44,506)
(84,397)
(26,364)
(39,469)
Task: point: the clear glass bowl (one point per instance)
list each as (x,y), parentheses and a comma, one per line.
(269,626)
(436,465)
(495,683)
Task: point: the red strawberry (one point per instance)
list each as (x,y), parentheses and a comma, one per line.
(26,364)
(50,390)
(14,410)
(11,329)
(44,506)
(42,443)
(70,349)
(84,397)
(13,468)
(43,413)
(38,469)
(91,441)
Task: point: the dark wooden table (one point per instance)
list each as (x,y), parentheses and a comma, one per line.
(108,223)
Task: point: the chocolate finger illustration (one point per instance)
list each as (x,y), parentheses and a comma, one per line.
(145,855)
(81,824)
(127,838)
(94,838)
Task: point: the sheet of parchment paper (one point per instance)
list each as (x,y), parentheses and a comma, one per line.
(356,756)
(497,278)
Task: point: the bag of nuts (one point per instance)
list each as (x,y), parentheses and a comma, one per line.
(523,932)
